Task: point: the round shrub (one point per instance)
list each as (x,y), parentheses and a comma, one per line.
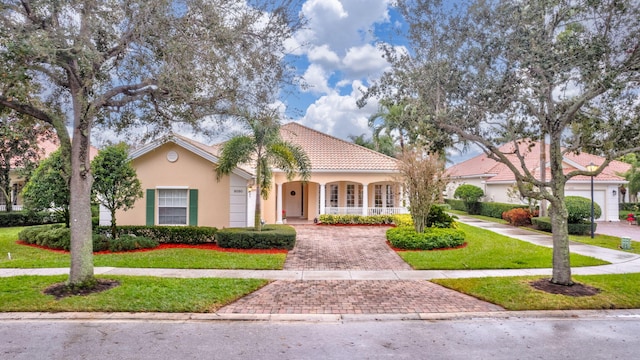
(131,242)
(517,217)
(579,209)
(438,218)
(470,195)
(433,238)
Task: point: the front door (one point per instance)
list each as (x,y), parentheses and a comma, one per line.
(293,199)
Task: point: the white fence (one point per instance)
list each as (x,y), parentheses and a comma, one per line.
(370,211)
(13,208)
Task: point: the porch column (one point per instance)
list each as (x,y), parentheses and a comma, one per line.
(365,199)
(278,203)
(322,199)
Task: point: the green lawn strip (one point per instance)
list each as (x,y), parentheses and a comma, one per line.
(619,291)
(29,257)
(488,250)
(605,241)
(134,294)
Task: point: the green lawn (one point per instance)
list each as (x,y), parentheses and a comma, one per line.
(29,257)
(620,291)
(134,294)
(605,241)
(488,250)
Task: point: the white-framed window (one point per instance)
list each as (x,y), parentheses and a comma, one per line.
(377,196)
(351,195)
(172,206)
(333,195)
(390,196)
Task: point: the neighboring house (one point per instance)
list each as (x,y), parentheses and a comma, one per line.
(497,181)
(178,175)
(18,181)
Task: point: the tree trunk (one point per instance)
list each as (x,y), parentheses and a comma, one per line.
(114,227)
(559,224)
(81,271)
(257,218)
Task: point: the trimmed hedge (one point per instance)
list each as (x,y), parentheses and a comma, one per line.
(544,224)
(166,234)
(456,204)
(433,238)
(495,209)
(579,209)
(629,207)
(356,219)
(27,218)
(58,237)
(271,237)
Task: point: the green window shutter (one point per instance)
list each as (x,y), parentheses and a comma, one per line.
(151,207)
(193,207)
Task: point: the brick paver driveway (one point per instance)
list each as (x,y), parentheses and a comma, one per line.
(351,248)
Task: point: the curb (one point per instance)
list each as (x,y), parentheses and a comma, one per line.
(629,314)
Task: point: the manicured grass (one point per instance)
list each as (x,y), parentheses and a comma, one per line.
(479,217)
(29,257)
(134,294)
(605,241)
(488,250)
(620,291)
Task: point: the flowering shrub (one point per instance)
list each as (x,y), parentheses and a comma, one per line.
(517,217)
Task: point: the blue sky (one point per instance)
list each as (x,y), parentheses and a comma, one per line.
(338,55)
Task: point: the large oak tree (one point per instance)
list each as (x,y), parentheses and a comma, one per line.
(117,63)
(498,72)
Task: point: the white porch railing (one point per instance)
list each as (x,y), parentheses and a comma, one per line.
(13,208)
(370,211)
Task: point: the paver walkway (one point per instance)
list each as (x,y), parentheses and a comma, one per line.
(351,248)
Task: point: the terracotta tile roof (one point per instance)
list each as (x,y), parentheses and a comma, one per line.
(498,172)
(330,153)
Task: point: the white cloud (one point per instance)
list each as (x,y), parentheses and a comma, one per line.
(339,115)
(317,79)
(364,61)
(323,55)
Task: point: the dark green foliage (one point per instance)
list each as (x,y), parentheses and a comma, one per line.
(356,219)
(131,242)
(116,184)
(495,210)
(49,187)
(544,224)
(579,209)
(456,204)
(27,218)
(51,236)
(433,238)
(629,207)
(470,195)
(167,234)
(271,237)
(439,219)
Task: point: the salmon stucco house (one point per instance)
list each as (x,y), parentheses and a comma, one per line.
(496,179)
(178,175)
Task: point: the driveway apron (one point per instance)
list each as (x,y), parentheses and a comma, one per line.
(326,248)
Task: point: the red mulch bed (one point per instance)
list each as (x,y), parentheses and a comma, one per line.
(441,249)
(207,246)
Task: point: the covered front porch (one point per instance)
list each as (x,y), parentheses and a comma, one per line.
(297,200)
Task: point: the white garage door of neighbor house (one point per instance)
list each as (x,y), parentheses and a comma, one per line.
(598,198)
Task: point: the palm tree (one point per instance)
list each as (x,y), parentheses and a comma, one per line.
(389,118)
(264,146)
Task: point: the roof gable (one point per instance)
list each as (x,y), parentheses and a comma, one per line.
(190,145)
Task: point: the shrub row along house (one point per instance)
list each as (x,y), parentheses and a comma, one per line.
(498,182)
(178,175)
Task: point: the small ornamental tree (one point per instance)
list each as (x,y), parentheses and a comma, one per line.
(116,185)
(423,178)
(48,188)
(470,195)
